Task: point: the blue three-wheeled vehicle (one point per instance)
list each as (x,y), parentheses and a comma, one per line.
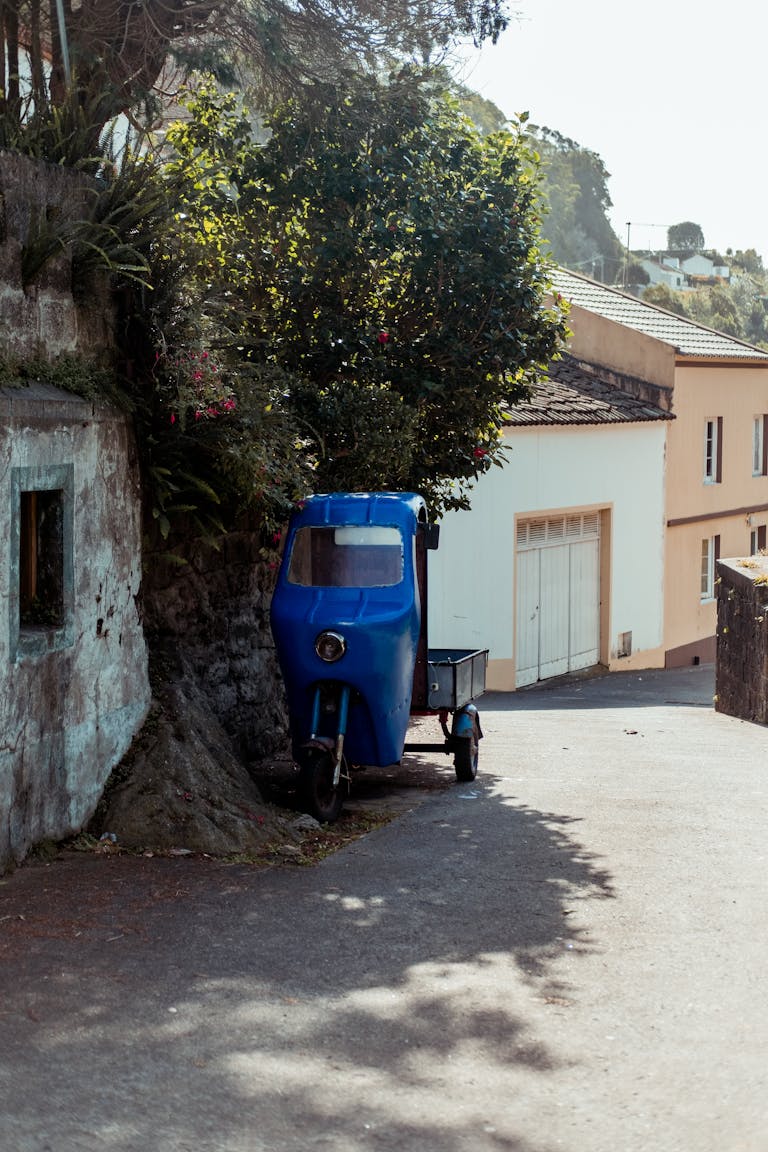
(349,617)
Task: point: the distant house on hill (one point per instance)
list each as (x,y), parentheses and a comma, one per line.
(696,265)
(679,270)
(659,272)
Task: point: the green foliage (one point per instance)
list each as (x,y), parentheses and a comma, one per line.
(350,305)
(109,229)
(665,297)
(750,261)
(738,309)
(685,237)
(576,225)
(87,378)
(382,257)
(716,308)
(483,113)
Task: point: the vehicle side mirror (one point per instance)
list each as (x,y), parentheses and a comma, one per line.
(432,536)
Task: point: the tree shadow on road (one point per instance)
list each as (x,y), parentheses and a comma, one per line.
(380,999)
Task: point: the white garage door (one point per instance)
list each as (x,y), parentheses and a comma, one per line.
(558,596)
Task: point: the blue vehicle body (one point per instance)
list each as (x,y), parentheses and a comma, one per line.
(349,572)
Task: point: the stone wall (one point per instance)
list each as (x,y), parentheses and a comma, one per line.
(74,685)
(741,678)
(209,620)
(43,317)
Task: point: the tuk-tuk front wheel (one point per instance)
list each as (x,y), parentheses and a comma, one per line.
(465,757)
(317,795)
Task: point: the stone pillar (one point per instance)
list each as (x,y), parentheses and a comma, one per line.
(741,683)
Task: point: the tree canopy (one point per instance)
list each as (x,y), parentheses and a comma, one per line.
(381,261)
(106,57)
(576,225)
(686,237)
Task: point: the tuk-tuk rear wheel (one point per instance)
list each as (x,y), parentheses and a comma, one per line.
(465,757)
(317,794)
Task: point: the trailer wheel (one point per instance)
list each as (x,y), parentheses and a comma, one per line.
(465,757)
(317,795)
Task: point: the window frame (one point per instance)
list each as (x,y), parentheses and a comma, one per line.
(710,554)
(25,637)
(760,445)
(713,450)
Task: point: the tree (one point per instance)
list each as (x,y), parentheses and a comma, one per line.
(665,297)
(749,261)
(385,258)
(716,308)
(108,57)
(685,237)
(350,305)
(483,113)
(576,225)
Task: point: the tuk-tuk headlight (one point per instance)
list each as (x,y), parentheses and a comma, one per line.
(330,646)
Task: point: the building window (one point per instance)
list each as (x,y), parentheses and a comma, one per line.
(41,559)
(713,451)
(710,554)
(760,446)
(42,580)
(757,540)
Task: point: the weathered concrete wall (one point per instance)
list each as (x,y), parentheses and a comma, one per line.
(741,678)
(43,318)
(71,696)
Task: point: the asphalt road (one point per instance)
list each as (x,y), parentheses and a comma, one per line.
(569,954)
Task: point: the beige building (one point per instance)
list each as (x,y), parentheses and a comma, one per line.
(716,482)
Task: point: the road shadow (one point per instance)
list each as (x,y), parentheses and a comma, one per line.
(187,1004)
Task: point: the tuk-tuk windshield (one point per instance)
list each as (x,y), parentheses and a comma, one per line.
(347,556)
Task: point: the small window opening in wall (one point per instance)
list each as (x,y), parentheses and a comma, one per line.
(760,446)
(710,554)
(41,559)
(713,451)
(624,647)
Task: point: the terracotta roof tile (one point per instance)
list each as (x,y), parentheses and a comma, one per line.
(575,395)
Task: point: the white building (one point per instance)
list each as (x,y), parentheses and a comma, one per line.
(560,563)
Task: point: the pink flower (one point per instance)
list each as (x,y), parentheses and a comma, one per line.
(479,453)
(198,415)
(173,417)
(229,405)
(275,537)
(383,337)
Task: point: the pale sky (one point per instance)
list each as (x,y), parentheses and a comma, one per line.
(672,94)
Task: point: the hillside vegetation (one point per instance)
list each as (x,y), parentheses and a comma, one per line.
(578,235)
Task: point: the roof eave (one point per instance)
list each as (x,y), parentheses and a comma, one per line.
(693,361)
